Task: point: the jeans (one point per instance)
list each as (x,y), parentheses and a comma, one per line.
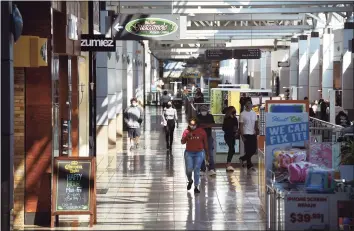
(211,155)
(230,141)
(169,129)
(193,161)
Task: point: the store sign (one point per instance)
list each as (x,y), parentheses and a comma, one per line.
(221,146)
(283,64)
(285,128)
(97,43)
(146,27)
(151,27)
(306,211)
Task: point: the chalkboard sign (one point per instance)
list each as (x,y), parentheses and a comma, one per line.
(247,54)
(74,186)
(218,54)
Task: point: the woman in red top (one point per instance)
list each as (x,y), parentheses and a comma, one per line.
(196,150)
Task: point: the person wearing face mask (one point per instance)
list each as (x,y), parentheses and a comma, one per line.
(230,128)
(196,150)
(165,98)
(249,131)
(133,117)
(206,121)
(170,120)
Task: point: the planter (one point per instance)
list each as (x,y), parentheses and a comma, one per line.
(347,172)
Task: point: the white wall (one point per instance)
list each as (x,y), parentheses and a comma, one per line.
(338,44)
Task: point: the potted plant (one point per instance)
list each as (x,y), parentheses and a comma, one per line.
(347,160)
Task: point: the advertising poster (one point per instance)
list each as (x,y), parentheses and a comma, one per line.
(282,131)
(234,100)
(216,103)
(325,154)
(306,211)
(221,146)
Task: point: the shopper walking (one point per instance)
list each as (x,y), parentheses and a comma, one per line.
(165,98)
(199,97)
(249,131)
(169,120)
(206,121)
(133,117)
(196,150)
(230,128)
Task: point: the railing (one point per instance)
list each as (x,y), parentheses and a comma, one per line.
(325,131)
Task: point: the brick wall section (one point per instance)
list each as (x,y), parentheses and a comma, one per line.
(19,147)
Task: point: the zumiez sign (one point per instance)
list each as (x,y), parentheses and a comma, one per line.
(151,27)
(97,43)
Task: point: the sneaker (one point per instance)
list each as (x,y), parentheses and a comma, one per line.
(252,169)
(196,190)
(211,172)
(242,162)
(230,169)
(189,186)
(131,147)
(202,173)
(137,146)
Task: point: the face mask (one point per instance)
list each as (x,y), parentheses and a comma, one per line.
(204,113)
(234,113)
(192,127)
(168,105)
(134,104)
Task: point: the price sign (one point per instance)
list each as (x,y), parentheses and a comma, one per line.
(304,211)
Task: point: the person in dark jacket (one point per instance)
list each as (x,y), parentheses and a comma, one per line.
(342,119)
(230,128)
(199,97)
(206,121)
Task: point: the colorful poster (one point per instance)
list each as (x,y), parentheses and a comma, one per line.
(221,146)
(234,100)
(216,103)
(283,130)
(306,211)
(325,154)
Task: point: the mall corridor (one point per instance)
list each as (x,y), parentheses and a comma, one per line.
(146,189)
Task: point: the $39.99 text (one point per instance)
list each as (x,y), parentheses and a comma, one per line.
(305,218)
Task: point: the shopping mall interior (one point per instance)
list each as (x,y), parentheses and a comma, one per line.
(100,100)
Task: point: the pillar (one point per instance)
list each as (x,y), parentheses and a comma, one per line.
(294,67)
(256,70)
(303,82)
(102,72)
(119,95)
(347,69)
(327,62)
(314,72)
(7,116)
(235,66)
(243,71)
(266,71)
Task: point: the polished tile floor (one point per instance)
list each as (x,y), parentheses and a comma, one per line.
(146,189)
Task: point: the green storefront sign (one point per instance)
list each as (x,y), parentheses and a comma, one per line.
(151,27)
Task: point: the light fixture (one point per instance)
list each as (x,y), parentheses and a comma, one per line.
(92,86)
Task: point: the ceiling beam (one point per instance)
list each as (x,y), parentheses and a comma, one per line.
(193,41)
(246,17)
(223,3)
(233,10)
(258,28)
(238,33)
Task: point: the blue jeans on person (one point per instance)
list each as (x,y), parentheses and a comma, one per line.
(211,155)
(193,161)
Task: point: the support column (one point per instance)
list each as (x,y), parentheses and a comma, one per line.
(119,94)
(243,71)
(303,82)
(294,67)
(102,102)
(235,66)
(347,69)
(266,71)
(314,74)
(7,116)
(327,62)
(256,73)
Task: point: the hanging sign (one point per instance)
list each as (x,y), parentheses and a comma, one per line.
(93,42)
(146,27)
(283,64)
(223,54)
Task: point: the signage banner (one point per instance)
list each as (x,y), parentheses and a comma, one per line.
(306,211)
(146,27)
(223,54)
(94,42)
(221,146)
(283,64)
(234,100)
(284,130)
